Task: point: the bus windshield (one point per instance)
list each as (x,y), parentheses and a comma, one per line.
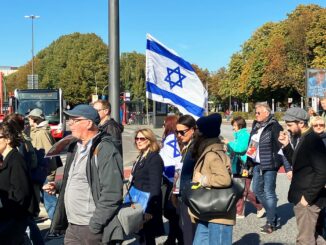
(50,108)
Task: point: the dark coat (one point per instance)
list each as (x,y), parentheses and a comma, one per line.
(147,176)
(105,178)
(309,170)
(16,191)
(115,130)
(268,145)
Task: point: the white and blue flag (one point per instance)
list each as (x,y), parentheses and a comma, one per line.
(171,155)
(170,79)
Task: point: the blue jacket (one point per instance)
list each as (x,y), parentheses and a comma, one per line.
(237,149)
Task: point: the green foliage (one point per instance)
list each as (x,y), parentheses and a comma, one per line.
(270,64)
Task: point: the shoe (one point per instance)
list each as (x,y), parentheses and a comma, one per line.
(240,216)
(267,229)
(260,213)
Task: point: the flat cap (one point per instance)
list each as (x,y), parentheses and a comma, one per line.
(295,114)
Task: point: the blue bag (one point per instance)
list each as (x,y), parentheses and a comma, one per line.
(137,196)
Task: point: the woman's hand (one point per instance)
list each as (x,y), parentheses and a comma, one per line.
(50,188)
(147,217)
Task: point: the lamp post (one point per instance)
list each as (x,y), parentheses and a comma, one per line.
(32,17)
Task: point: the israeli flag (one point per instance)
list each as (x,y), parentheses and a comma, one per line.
(171,155)
(170,79)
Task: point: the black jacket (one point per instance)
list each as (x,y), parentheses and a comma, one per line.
(309,169)
(115,130)
(147,176)
(16,191)
(268,145)
(105,178)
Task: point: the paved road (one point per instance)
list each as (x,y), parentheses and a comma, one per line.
(246,231)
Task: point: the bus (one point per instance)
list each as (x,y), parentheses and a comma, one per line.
(50,101)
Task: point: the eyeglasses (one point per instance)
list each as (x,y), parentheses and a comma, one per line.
(257,113)
(76,120)
(182,132)
(322,125)
(98,110)
(141,139)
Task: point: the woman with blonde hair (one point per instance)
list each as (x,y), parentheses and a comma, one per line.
(146,175)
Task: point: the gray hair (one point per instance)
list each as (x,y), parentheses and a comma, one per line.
(263,104)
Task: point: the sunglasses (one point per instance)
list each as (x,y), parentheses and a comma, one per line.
(318,125)
(182,132)
(141,139)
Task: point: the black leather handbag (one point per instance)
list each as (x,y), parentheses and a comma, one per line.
(213,202)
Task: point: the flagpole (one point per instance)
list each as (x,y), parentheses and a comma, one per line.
(147,111)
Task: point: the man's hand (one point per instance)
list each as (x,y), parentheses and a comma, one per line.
(289,174)
(283,138)
(50,188)
(303,201)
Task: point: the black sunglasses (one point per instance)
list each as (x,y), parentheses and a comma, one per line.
(182,132)
(142,139)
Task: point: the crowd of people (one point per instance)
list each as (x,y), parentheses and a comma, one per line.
(83,206)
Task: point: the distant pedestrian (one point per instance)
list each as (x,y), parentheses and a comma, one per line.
(90,192)
(108,124)
(212,171)
(263,156)
(237,149)
(323,106)
(42,141)
(308,157)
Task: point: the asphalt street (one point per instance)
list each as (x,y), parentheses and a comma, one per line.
(246,231)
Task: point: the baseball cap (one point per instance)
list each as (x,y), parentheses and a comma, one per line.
(37,112)
(295,114)
(85,111)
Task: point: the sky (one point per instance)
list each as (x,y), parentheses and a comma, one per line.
(203,32)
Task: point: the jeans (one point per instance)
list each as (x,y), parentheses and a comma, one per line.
(50,201)
(213,234)
(264,185)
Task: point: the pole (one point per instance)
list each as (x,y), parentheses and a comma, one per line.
(32,17)
(33,53)
(114,59)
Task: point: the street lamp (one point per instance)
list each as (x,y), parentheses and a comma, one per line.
(32,17)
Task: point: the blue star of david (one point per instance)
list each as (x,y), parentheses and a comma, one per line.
(173,143)
(169,79)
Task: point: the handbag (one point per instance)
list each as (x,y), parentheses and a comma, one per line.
(131,212)
(213,202)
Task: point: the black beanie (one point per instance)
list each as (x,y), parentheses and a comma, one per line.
(210,126)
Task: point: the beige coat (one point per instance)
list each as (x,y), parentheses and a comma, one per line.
(42,139)
(216,173)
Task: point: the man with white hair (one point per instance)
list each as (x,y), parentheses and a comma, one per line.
(263,156)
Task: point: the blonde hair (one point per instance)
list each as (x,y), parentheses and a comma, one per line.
(150,136)
(315,119)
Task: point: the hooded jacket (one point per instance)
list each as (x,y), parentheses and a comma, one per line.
(105,178)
